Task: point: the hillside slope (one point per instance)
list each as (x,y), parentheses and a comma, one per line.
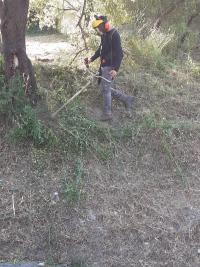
(119,194)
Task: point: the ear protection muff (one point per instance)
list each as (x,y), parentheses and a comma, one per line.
(107,26)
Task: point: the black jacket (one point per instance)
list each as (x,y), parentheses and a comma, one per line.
(110,50)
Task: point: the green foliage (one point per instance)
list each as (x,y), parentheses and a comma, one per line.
(154,121)
(43,15)
(148,53)
(1,68)
(62,82)
(12,98)
(47,14)
(72,186)
(117,11)
(81,134)
(175,17)
(29,127)
(15,106)
(78,263)
(192,67)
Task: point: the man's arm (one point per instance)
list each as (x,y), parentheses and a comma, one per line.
(96,55)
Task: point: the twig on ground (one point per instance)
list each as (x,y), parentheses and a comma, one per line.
(13,200)
(13,204)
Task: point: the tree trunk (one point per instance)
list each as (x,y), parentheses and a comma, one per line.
(13,28)
(189,22)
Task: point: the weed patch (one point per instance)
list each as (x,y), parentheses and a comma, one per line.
(149,52)
(25,124)
(72,186)
(78,263)
(81,134)
(30,128)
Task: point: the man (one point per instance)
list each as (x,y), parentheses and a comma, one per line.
(111,54)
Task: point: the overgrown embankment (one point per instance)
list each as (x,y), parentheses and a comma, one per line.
(78,191)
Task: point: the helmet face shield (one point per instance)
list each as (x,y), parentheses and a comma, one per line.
(98,32)
(96,23)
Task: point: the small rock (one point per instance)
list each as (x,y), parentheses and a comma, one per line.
(91,216)
(41,264)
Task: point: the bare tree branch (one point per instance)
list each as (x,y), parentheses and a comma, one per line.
(71,7)
(170,9)
(82,13)
(76,55)
(79,24)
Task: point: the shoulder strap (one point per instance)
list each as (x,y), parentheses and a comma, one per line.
(111,36)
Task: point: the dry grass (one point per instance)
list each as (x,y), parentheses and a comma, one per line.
(135,211)
(139,207)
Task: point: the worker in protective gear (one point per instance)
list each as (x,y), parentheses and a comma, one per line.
(111,54)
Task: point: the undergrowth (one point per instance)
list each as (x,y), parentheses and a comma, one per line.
(81,134)
(20,114)
(73,184)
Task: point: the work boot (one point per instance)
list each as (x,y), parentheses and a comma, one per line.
(124,98)
(129,103)
(106,117)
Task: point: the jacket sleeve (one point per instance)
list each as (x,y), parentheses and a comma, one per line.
(96,54)
(117,52)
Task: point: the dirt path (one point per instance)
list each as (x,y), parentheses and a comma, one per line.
(47,47)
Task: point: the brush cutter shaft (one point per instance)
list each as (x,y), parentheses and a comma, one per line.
(70,100)
(97,76)
(79,92)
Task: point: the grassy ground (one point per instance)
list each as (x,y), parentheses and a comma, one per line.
(118,194)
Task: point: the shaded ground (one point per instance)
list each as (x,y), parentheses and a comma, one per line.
(19,265)
(139,207)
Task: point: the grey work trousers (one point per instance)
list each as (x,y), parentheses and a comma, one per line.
(108,91)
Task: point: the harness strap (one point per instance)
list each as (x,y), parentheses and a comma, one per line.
(111,36)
